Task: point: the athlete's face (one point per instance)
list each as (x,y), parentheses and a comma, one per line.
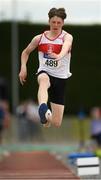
(56,23)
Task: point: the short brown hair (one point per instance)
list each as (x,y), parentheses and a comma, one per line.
(60,12)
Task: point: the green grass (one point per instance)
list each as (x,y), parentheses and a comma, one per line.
(71,130)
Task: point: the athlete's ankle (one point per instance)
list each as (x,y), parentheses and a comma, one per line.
(44,113)
(48,115)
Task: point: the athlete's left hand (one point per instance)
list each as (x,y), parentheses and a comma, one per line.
(55,56)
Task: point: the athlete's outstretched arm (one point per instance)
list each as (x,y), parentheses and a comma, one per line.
(24,57)
(68,39)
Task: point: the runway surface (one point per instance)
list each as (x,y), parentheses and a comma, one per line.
(37,165)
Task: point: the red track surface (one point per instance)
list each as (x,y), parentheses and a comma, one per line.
(34,165)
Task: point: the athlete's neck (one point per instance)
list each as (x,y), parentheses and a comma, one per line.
(53,34)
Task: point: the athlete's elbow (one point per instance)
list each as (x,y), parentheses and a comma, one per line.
(24,54)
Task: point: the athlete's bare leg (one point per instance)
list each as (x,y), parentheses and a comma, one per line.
(57,114)
(57,110)
(44,84)
(44,112)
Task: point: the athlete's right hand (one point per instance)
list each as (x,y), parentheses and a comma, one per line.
(23,74)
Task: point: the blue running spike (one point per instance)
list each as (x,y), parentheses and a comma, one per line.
(42,111)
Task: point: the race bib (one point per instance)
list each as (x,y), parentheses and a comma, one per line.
(50,61)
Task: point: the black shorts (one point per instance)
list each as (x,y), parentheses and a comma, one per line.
(57,89)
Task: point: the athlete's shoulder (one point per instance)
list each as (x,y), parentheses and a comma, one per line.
(66,34)
(36,39)
(68,37)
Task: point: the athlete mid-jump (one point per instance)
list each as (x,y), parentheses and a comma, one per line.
(54,50)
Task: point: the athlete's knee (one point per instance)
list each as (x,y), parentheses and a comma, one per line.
(43,79)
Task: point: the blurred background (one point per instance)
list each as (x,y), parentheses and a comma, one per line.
(20,21)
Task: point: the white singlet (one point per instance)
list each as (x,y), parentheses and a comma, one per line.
(59,69)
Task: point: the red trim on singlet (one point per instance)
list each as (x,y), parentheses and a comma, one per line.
(56,48)
(53,38)
(40,38)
